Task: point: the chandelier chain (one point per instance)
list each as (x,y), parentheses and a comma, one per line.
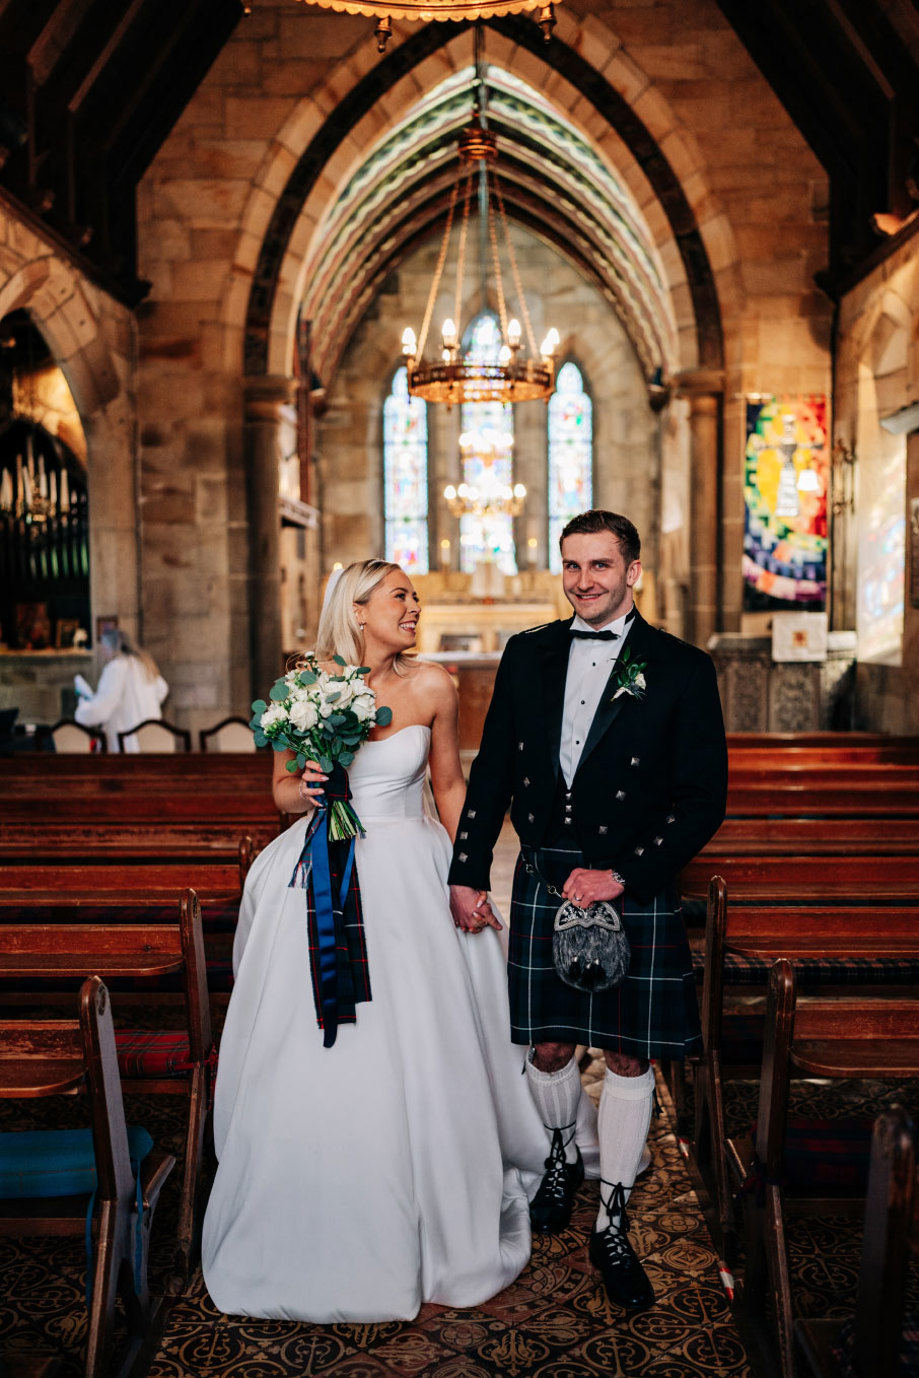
(438,272)
(515,272)
(499,284)
(461,255)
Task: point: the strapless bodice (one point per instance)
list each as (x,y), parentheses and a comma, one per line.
(387,777)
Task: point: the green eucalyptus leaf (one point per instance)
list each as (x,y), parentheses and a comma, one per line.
(259,706)
(291,766)
(383,717)
(278,692)
(306,678)
(339,660)
(346,758)
(325,765)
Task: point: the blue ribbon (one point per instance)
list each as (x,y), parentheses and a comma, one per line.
(326,910)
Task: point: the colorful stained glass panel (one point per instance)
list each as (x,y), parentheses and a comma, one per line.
(570,455)
(487,444)
(405,477)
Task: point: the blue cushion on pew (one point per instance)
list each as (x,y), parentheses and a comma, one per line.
(56,1162)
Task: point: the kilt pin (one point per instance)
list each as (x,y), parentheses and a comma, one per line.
(648,793)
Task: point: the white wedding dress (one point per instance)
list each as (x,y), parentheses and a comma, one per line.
(394,1168)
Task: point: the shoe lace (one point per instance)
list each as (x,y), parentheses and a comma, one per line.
(556,1164)
(614,1238)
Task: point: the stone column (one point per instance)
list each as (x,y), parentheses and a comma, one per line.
(703,389)
(266,397)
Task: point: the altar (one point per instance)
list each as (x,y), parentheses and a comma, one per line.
(455,618)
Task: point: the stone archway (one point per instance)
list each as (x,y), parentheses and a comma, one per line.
(92,340)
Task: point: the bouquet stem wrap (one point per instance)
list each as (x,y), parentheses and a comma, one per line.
(338,954)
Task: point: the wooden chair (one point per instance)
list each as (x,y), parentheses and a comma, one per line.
(860,1037)
(157,735)
(43,1058)
(71,738)
(53,956)
(870,1346)
(230,734)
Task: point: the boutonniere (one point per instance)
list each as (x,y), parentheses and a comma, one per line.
(629,676)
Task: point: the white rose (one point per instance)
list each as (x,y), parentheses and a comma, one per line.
(275,713)
(326,709)
(364,707)
(640,681)
(303,715)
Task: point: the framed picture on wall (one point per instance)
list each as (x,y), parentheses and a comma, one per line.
(33,626)
(105,624)
(64,631)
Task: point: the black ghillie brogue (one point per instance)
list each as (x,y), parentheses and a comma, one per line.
(624,1278)
(550,1209)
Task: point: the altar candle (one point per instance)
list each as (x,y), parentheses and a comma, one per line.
(42,477)
(445,553)
(20,486)
(6,492)
(532,546)
(53,492)
(65,492)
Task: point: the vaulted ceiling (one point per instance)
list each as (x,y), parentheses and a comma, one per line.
(89,90)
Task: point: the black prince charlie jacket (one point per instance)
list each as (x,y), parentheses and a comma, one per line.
(651,785)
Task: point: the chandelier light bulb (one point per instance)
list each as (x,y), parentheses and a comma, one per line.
(409,343)
(513,332)
(504,355)
(520,490)
(464,490)
(449,492)
(448,331)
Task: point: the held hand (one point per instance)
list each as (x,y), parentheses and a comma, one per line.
(584,887)
(472,909)
(309,786)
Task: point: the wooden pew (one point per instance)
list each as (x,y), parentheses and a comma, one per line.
(42,1058)
(792,879)
(873,1340)
(849,1037)
(829,944)
(811,837)
(40,960)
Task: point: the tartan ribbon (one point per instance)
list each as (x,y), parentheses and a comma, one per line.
(336,937)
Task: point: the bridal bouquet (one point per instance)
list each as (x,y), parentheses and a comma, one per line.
(322,717)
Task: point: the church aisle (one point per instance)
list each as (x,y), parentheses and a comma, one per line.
(554,1322)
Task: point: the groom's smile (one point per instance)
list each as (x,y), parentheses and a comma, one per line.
(596,578)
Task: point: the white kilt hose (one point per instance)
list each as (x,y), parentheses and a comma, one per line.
(652,1014)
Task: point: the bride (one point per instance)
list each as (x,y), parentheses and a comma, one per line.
(359,1181)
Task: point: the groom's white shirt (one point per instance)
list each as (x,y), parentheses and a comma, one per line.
(590,664)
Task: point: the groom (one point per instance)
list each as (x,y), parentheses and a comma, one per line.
(605,737)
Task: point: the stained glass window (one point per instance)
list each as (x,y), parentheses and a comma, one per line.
(405,477)
(486,444)
(570,455)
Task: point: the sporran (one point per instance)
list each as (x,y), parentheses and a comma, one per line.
(590,947)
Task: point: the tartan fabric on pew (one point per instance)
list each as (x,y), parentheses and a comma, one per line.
(148,1053)
(841,971)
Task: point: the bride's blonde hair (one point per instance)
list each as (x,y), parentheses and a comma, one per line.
(339,629)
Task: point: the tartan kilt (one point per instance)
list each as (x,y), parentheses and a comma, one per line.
(654,1013)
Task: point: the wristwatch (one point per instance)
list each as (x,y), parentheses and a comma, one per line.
(620,880)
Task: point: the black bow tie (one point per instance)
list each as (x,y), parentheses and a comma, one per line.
(593,636)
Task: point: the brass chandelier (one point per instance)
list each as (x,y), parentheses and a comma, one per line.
(426,10)
(514,376)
